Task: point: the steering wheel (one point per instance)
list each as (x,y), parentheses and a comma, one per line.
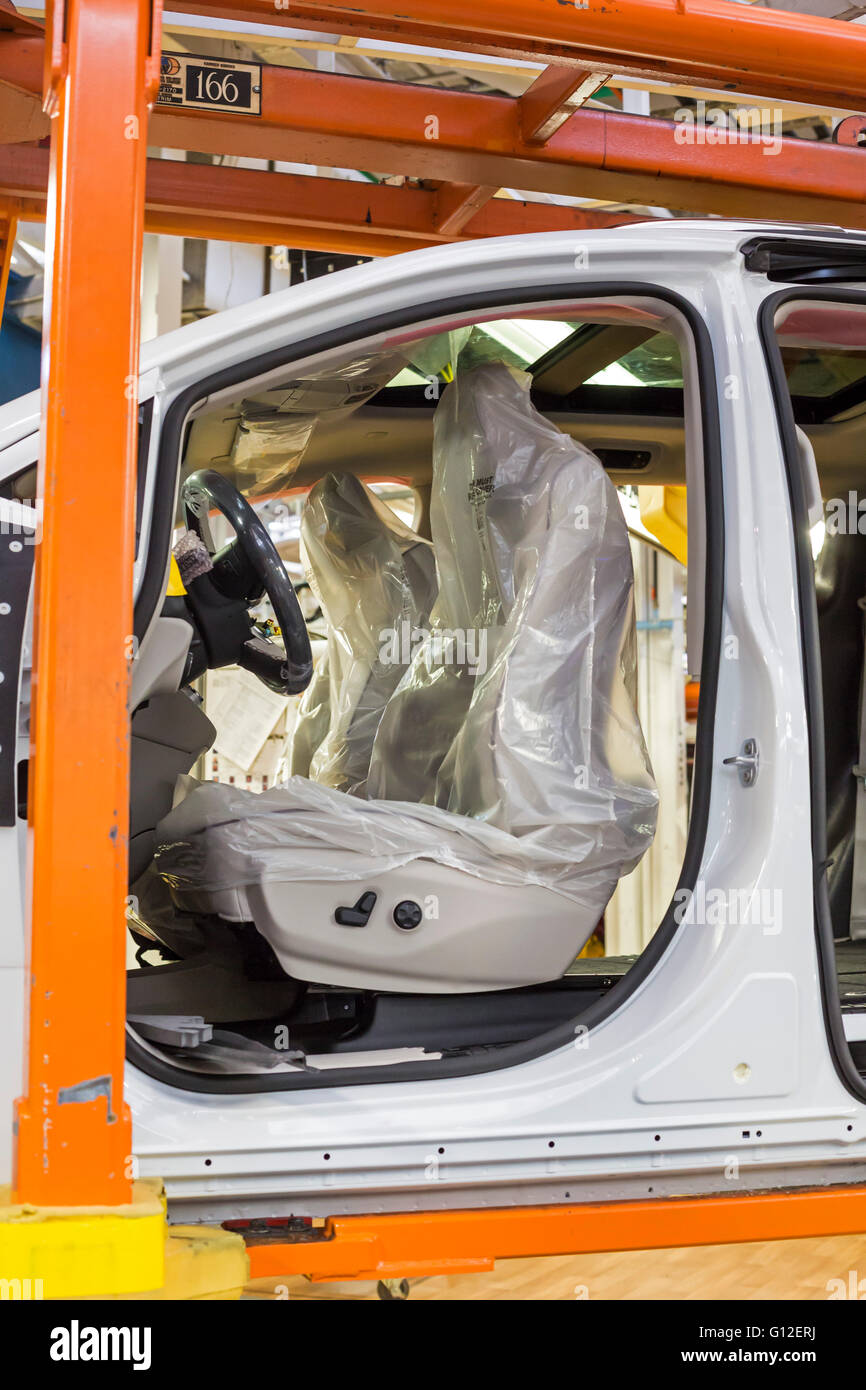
(243,571)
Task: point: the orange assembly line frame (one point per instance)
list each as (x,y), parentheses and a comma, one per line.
(337,215)
(704,43)
(100,57)
(73,1127)
(417,1244)
(535,142)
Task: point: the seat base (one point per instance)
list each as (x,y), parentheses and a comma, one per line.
(471,934)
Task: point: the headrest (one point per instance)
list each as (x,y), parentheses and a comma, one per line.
(361,558)
(490,445)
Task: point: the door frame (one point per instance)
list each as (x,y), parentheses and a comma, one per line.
(174,424)
(811,655)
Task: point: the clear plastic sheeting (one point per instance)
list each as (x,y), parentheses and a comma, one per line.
(221,837)
(375,579)
(314,716)
(277,425)
(334,388)
(519,709)
(268,452)
(432,356)
(511,748)
(229,1053)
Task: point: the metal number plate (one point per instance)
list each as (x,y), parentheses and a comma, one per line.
(210,84)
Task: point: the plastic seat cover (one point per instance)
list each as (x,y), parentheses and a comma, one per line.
(511,748)
(371,574)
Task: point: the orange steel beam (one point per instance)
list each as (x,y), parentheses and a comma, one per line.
(542,109)
(422,1244)
(707,43)
(457,137)
(324,119)
(224,202)
(551,99)
(14,23)
(8,224)
(73,1128)
(21,115)
(457,204)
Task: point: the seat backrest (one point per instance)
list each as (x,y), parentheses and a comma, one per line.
(375,579)
(519,709)
(313,716)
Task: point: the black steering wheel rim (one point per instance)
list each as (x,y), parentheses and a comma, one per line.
(287,671)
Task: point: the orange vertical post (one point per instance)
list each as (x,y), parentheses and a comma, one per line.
(73,1128)
(8,225)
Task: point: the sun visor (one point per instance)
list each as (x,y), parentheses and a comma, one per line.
(276,425)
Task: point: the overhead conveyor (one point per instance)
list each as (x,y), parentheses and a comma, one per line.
(96,68)
(461,146)
(708,43)
(224,202)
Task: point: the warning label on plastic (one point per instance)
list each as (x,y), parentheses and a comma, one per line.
(210,84)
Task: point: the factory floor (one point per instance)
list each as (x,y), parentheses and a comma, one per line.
(785,1269)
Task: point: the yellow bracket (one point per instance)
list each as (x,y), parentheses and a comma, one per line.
(81,1252)
(175,583)
(202,1262)
(663,512)
(115,1252)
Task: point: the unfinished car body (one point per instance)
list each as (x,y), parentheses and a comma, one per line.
(371,986)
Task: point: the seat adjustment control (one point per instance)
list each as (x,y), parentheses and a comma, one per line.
(359,915)
(407,914)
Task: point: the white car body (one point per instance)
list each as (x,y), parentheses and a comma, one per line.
(716,1072)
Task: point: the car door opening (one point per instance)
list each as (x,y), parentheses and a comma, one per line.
(455,854)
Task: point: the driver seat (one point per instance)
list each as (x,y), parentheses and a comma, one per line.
(370,573)
(513,791)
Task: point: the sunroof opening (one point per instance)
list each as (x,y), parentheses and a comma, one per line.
(655,362)
(525,343)
(820,371)
(517,342)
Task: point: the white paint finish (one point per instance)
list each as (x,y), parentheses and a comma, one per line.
(734,1052)
(12,1005)
(19,421)
(642,897)
(729,985)
(497,1126)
